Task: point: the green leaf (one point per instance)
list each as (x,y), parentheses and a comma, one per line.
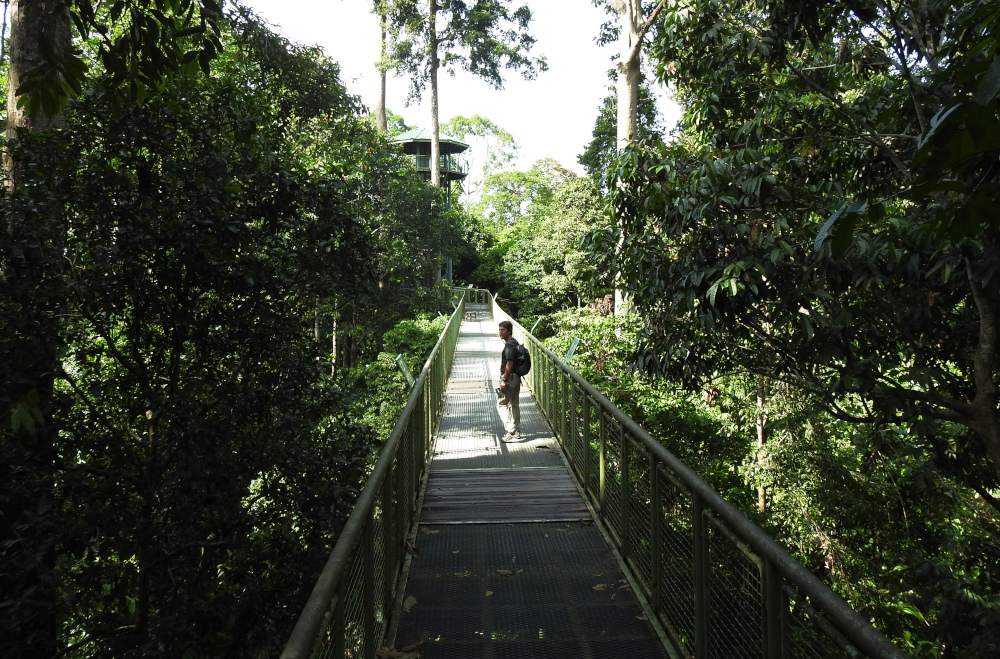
(197,29)
(961,147)
(711,293)
(989,84)
(824,230)
(978,212)
(843,234)
(204,59)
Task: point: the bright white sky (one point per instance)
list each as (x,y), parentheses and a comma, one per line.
(550,117)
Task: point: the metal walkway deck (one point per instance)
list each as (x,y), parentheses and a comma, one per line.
(510,562)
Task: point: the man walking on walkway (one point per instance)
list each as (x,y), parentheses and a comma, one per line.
(508,405)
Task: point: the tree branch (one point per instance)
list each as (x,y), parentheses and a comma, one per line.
(873,137)
(645,28)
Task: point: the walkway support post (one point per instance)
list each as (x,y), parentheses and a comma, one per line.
(702,592)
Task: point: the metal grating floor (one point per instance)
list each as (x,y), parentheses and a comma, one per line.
(510,590)
(521,590)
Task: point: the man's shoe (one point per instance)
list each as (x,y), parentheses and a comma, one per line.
(509,438)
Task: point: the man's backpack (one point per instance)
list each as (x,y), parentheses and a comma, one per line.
(523,363)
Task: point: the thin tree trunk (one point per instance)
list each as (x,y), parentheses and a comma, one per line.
(629,22)
(985,405)
(762,395)
(435,127)
(380,118)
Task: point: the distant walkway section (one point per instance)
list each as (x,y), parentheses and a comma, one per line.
(510,564)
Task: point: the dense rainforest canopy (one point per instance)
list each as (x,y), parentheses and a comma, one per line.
(181,274)
(211,256)
(818,250)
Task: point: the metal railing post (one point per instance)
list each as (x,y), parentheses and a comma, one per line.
(550,391)
(573,452)
(585,413)
(602,494)
(368,587)
(563,381)
(701,584)
(623,493)
(655,514)
(389,544)
(774,645)
(338,628)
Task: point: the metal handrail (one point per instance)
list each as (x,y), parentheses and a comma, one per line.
(472,295)
(348,612)
(718,584)
(447,163)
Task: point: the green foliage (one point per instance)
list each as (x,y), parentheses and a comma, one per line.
(378,387)
(141,46)
(175,486)
(483,38)
(602,151)
(415,339)
(493,146)
(537,263)
(817,254)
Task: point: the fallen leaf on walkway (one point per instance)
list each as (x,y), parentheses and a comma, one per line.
(410,547)
(642,617)
(427,531)
(489,593)
(409,603)
(603,586)
(599,574)
(455,551)
(505,573)
(625,587)
(614,596)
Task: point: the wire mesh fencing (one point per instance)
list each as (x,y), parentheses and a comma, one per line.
(719,585)
(349,611)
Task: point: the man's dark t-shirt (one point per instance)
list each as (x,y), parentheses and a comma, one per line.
(509,354)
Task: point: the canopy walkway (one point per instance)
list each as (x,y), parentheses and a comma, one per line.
(584,539)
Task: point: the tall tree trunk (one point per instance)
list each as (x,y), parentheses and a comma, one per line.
(632,29)
(435,127)
(33,24)
(380,119)
(630,24)
(986,404)
(27,529)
